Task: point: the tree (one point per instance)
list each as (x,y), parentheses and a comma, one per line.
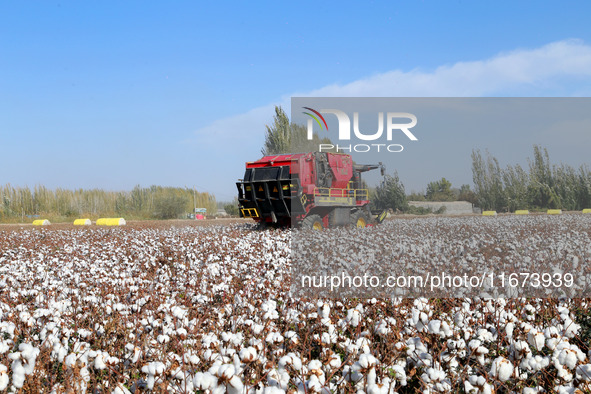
(440,191)
(286,137)
(169,206)
(232,208)
(541,188)
(390,194)
(466,194)
(488,182)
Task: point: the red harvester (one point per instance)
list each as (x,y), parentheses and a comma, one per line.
(311,190)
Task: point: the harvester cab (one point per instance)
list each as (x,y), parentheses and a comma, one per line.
(310,190)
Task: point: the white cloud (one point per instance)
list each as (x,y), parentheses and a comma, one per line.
(504,74)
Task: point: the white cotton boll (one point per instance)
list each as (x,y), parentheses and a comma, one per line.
(434,327)
(537,363)
(509,329)
(550,332)
(445,330)
(382,328)
(324,311)
(536,339)
(551,343)
(363,344)
(370,379)
(70,360)
(292,336)
(485,335)
(474,344)
(334,361)
(326,339)
(295,361)
(272,390)
(570,328)
(351,375)
(152,369)
(5,346)
(315,367)
(274,337)
(99,361)
(568,358)
(502,369)
(81,384)
(179,312)
(366,361)
(235,385)
(177,373)
(135,356)
(566,390)
(521,349)
(313,385)
(353,317)
(477,384)
(248,355)
(278,378)
(162,338)
(226,371)
(4,380)
(204,381)
(18,373)
(533,390)
(563,373)
(191,358)
(399,374)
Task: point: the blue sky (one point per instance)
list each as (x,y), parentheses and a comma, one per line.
(116,94)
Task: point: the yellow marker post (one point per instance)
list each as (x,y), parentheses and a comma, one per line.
(522,212)
(554,212)
(489,213)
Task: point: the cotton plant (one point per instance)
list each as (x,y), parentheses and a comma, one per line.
(217,298)
(23,363)
(502,369)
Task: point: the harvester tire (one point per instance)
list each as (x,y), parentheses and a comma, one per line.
(313,222)
(360,219)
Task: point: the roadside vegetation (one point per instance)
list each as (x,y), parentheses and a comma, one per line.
(19,204)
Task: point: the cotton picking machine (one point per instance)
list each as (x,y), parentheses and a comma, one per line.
(310,190)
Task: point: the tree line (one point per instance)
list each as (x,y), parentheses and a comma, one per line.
(542,186)
(155,202)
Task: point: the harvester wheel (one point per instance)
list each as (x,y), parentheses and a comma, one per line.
(360,218)
(313,222)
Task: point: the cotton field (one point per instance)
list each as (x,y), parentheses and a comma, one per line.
(207,309)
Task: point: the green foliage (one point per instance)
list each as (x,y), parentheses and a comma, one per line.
(390,194)
(140,203)
(440,191)
(465,194)
(286,137)
(232,208)
(544,186)
(416,197)
(413,210)
(169,206)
